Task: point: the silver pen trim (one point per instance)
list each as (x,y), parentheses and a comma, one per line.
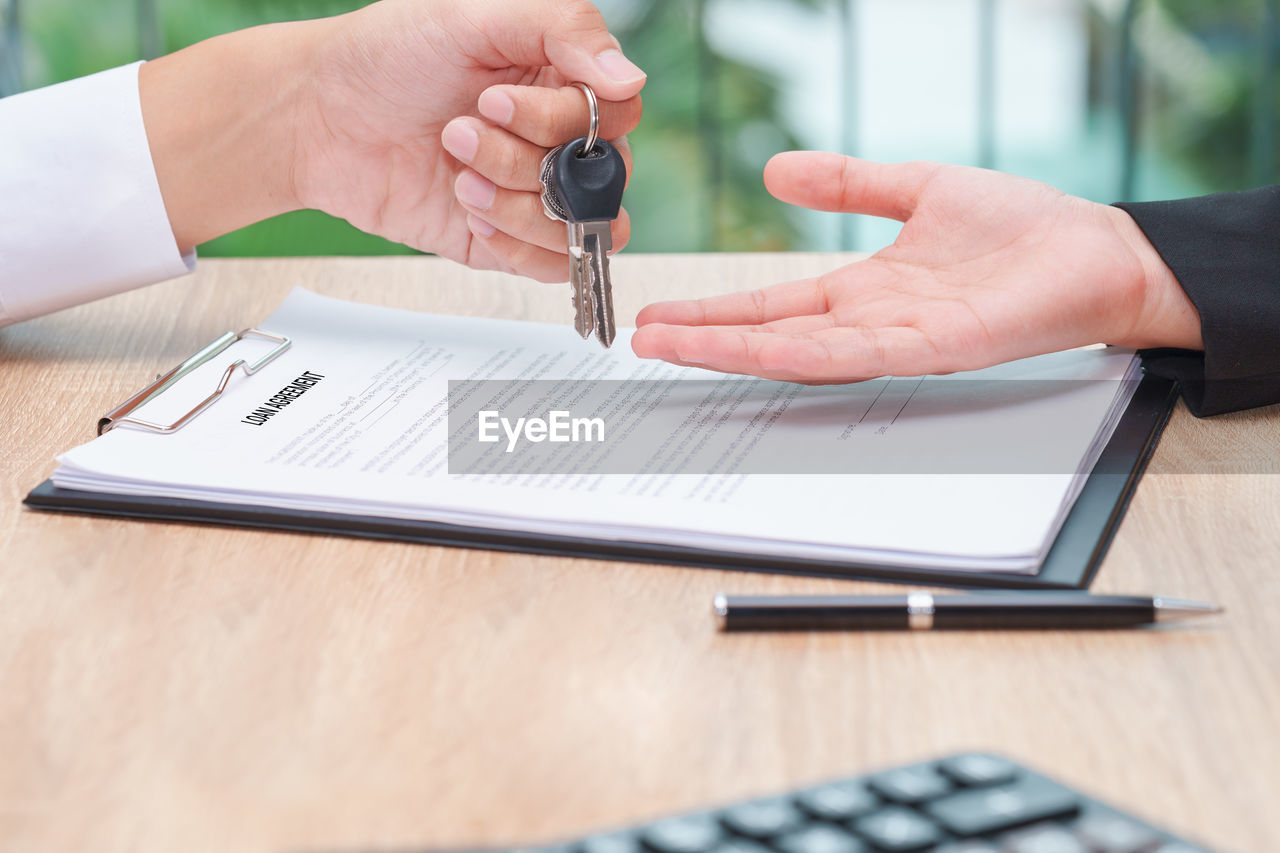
(920,610)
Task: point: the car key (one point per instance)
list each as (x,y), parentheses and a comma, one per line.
(582,184)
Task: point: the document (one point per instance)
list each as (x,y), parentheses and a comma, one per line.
(504,425)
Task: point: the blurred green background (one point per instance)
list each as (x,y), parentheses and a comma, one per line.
(1033,87)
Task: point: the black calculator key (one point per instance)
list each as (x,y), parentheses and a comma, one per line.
(820,838)
(1107,833)
(838,801)
(910,785)
(984,810)
(741,845)
(686,834)
(975,769)
(898,830)
(763,818)
(613,842)
(1050,838)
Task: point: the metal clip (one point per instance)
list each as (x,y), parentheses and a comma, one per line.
(119,415)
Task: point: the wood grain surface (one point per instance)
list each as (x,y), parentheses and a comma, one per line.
(183,688)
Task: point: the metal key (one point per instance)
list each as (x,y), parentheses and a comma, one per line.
(582,183)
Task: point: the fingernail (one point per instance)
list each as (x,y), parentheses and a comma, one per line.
(475,191)
(479,226)
(460,140)
(618,68)
(496,105)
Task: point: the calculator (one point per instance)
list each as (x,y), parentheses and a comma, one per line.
(965,803)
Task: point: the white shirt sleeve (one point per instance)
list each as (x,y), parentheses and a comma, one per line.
(81,216)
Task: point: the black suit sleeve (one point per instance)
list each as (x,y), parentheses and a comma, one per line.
(1225,252)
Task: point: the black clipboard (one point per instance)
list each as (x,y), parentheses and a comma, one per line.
(1071,563)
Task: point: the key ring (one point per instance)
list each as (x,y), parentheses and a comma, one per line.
(593,126)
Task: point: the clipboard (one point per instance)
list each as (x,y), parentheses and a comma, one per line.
(1072,561)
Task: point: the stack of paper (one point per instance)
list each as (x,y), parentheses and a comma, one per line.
(354,419)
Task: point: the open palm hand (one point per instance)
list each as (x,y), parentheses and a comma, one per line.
(987,268)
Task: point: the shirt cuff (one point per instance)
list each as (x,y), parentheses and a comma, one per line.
(79,197)
(1223,251)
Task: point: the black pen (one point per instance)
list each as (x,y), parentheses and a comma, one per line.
(923,611)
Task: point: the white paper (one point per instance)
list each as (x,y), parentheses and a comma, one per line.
(369,438)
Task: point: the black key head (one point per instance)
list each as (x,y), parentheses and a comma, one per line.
(589,184)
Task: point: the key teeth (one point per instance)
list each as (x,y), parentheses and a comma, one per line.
(602,316)
(580,324)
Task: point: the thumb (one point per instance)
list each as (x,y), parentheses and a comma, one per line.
(571,36)
(826,181)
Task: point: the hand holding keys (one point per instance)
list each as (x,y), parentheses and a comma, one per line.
(582,184)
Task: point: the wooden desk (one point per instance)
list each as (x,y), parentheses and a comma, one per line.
(178,688)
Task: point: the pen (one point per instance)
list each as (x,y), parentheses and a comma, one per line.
(922,611)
